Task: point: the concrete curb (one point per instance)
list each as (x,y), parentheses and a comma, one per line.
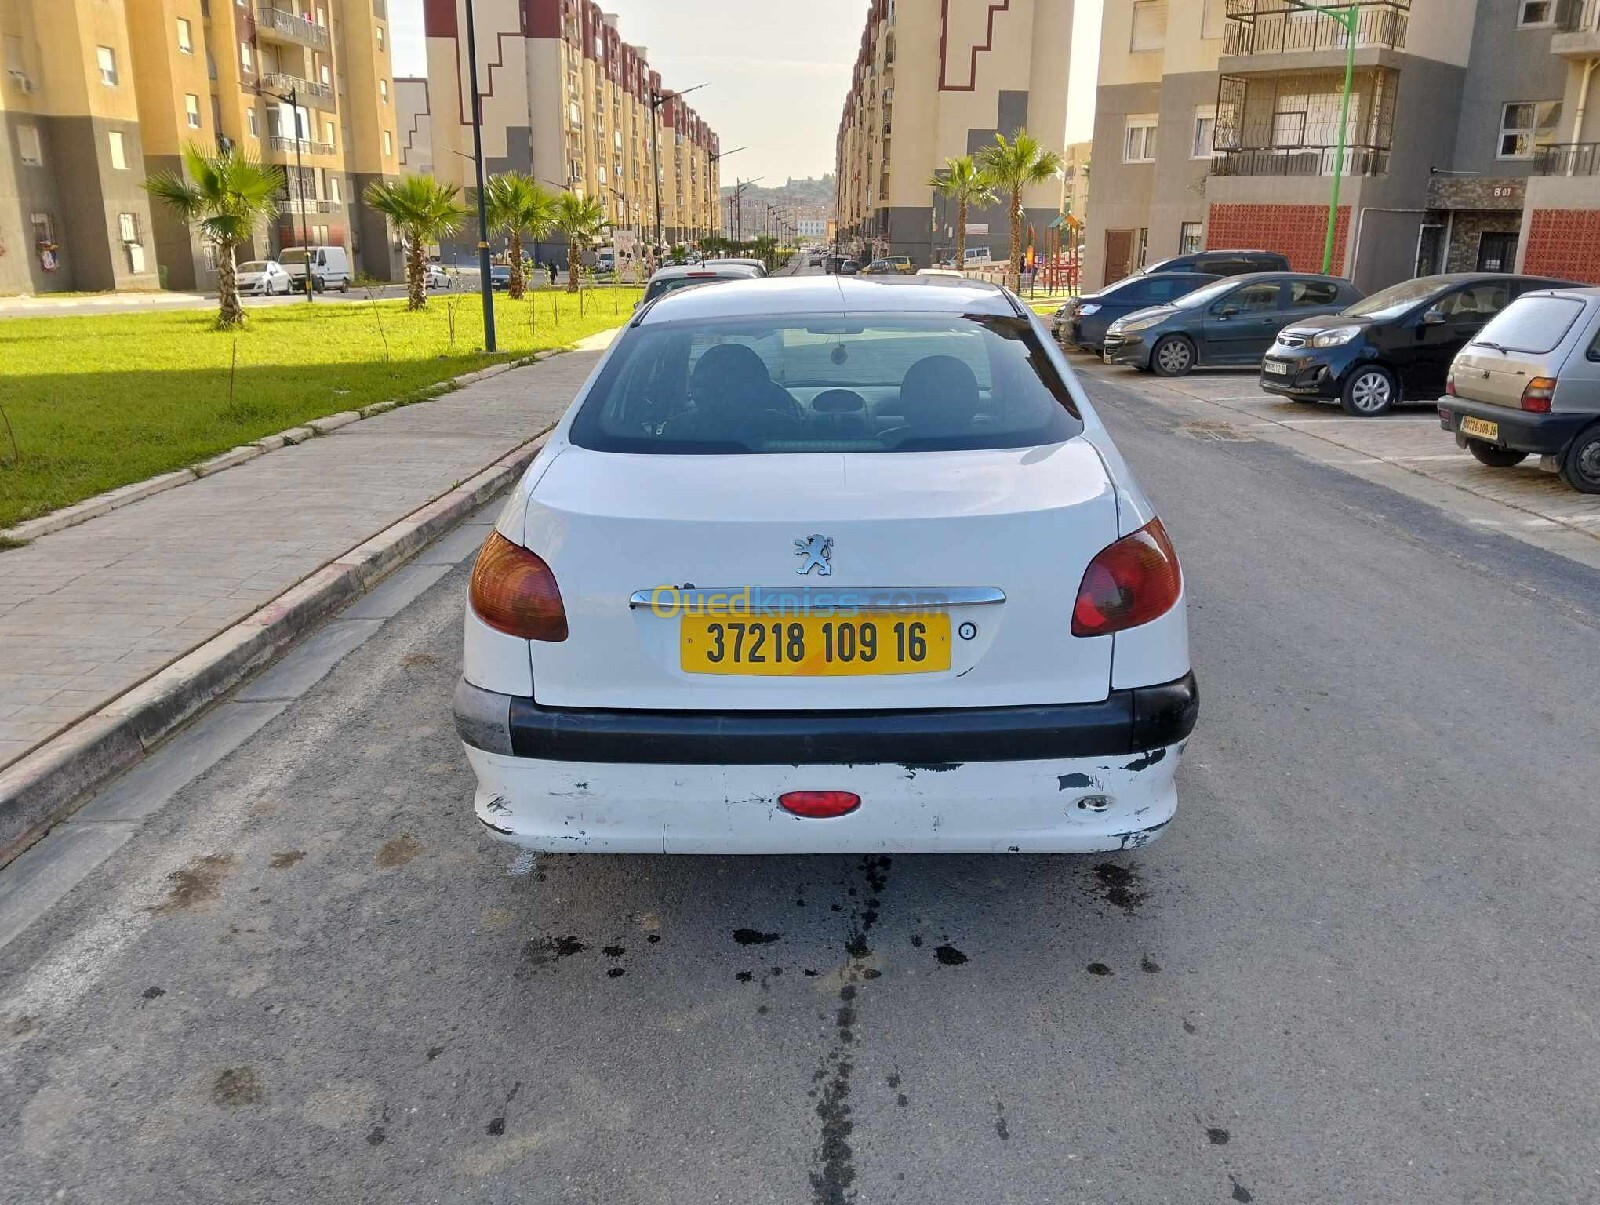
(47,785)
(92,508)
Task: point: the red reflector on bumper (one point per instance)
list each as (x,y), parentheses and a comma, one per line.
(819,805)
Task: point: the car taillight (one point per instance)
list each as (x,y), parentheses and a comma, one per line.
(1131,582)
(1536,397)
(1450,386)
(514,592)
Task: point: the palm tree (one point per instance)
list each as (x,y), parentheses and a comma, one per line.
(424,211)
(583,221)
(522,207)
(1013,166)
(224,195)
(963,182)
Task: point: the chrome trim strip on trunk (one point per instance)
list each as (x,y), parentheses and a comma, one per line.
(805,600)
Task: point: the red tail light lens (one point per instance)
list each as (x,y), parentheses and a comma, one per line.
(1131,582)
(1450,386)
(1536,397)
(514,592)
(819,805)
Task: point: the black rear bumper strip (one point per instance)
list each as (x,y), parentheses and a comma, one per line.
(1126,722)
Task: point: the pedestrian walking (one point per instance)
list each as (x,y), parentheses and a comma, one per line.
(552,266)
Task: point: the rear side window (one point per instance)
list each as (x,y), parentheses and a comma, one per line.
(1252,299)
(869,383)
(1306,293)
(1165,288)
(1532,324)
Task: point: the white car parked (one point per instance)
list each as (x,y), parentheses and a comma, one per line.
(825,564)
(263,276)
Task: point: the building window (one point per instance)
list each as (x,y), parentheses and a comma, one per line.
(1213,16)
(380,37)
(1149,25)
(327,132)
(1189,238)
(107,59)
(28,145)
(191,109)
(333,189)
(119,151)
(1205,131)
(128,227)
(185,36)
(1525,123)
(1533,13)
(1139,139)
(1289,129)
(388,143)
(383,91)
(251,123)
(247,58)
(44,227)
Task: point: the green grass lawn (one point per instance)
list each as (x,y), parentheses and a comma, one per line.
(99,401)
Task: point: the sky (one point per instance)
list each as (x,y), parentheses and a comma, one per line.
(776,70)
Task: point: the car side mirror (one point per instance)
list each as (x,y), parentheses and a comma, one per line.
(1433,318)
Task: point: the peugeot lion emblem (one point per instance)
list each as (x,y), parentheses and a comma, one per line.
(816,550)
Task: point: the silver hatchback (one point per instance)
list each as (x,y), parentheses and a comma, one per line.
(1529,385)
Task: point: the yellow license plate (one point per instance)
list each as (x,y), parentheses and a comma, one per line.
(811,646)
(1479,427)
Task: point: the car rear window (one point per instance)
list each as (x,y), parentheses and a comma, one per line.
(868,383)
(673,283)
(1532,324)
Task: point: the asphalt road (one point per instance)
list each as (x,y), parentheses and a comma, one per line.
(1360,967)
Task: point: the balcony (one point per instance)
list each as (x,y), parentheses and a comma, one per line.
(309,205)
(317,96)
(284,26)
(1287,123)
(1577,30)
(1286,27)
(1303,160)
(305,146)
(1567,159)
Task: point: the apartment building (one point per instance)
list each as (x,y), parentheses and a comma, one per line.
(1075,179)
(1469,141)
(72,212)
(568,101)
(934,82)
(100,94)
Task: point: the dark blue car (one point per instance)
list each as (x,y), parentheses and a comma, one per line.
(1083,321)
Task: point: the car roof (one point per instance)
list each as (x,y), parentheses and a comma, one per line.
(830,295)
(1247,277)
(735,270)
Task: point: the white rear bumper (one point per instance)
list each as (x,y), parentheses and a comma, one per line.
(1077,805)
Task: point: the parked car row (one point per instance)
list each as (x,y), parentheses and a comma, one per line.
(1518,356)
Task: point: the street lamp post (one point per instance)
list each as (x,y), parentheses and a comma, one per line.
(657,99)
(1346,15)
(485,280)
(293,100)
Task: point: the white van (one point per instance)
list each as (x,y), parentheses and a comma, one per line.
(330,267)
(976,256)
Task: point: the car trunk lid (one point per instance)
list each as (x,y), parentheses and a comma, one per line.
(1010,529)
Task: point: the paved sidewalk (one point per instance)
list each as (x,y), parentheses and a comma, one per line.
(89,612)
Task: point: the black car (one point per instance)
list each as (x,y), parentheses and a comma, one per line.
(1221,262)
(1232,321)
(499,276)
(1394,346)
(1082,321)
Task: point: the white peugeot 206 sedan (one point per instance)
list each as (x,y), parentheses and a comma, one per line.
(828,564)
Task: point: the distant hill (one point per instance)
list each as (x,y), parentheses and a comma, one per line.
(812,196)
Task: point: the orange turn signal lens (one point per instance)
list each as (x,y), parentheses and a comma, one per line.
(513,591)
